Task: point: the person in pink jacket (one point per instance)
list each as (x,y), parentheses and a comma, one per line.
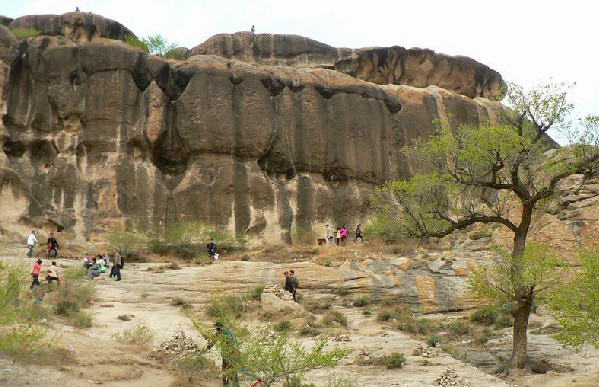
(35,273)
(344,232)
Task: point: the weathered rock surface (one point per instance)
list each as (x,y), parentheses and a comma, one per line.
(97,134)
(76,26)
(382,65)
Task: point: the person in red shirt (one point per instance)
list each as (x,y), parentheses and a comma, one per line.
(35,273)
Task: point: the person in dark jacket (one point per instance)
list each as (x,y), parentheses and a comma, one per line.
(117,265)
(212,249)
(291,283)
(52,246)
(229,350)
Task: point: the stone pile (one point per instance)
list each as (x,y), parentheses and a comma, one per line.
(278,291)
(179,344)
(425,351)
(450,378)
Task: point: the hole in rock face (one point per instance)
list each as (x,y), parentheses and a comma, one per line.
(170,154)
(14,148)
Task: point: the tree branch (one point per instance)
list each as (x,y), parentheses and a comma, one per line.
(465,222)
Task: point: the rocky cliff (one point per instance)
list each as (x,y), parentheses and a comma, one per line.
(97,134)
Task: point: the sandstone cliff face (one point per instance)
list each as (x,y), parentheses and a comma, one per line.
(382,65)
(96,134)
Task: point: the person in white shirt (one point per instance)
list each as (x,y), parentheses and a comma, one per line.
(31,241)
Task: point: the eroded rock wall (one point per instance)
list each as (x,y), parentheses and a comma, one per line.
(96,134)
(381,65)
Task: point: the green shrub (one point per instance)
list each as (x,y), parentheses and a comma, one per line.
(395,360)
(485,316)
(481,337)
(318,306)
(74,293)
(334,316)
(178,301)
(228,306)
(127,242)
(420,326)
(25,33)
(385,315)
(434,341)
(504,320)
(341,381)
(361,301)
(139,335)
(124,317)
(459,328)
(283,326)
(256,293)
(189,364)
(23,339)
(367,313)
(186,238)
(82,319)
(383,227)
(134,41)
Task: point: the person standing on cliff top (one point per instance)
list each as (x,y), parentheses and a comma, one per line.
(31,241)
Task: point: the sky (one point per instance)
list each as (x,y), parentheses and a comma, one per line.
(527,41)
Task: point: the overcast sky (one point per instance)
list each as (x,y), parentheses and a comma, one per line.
(527,41)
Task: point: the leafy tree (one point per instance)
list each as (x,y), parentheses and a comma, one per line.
(158,44)
(575,303)
(273,356)
(481,174)
(134,41)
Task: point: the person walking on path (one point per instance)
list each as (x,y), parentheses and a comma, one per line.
(35,274)
(229,352)
(31,241)
(359,233)
(212,249)
(117,265)
(52,246)
(53,274)
(343,233)
(328,234)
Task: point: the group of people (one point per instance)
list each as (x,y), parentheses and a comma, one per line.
(101,263)
(51,274)
(340,235)
(52,245)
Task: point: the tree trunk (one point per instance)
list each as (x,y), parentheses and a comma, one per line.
(520,338)
(523,297)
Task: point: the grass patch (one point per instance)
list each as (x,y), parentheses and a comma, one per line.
(395,360)
(340,291)
(139,335)
(256,293)
(459,328)
(485,316)
(504,320)
(25,33)
(178,301)
(318,306)
(124,317)
(82,319)
(189,364)
(434,341)
(228,306)
(334,317)
(481,337)
(361,301)
(283,326)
